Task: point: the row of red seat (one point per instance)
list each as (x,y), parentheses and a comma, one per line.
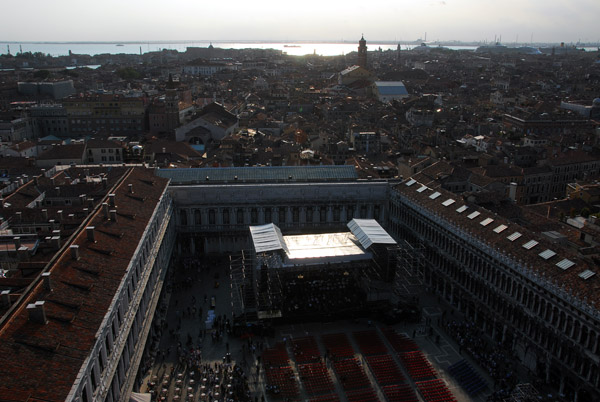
(364,395)
(435,391)
(351,374)
(417,365)
(282,382)
(400,393)
(385,370)
(275,356)
(326,398)
(338,345)
(306,350)
(399,342)
(315,378)
(370,343)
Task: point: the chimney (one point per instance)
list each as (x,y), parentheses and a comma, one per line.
(47,281)
(45,214)
(17,240)
(113,215)
(2,201)
(52,180)
(55,242)
(52,223)
(104,183)
(37,312)
(57,191)
(90,233)
(23,253)
(90,202)
(60,215)
(130,188)
(86,211)
(105,209)
(82,198)
(6,298)
(18,215)
(74,251)
(111,200)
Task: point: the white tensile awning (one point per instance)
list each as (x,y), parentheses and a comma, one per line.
(267,238)
(369,231)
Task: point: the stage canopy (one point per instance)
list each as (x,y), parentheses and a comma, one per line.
(310,249)
(323,248)
(369,232)
(267,238)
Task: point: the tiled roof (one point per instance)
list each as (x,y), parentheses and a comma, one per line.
(41,361)
(519,244)
(260,174)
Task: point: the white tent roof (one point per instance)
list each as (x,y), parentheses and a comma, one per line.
(369,232)
(267,238)
(137,397)
(323,248)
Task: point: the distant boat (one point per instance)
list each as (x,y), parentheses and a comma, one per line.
(292,46)
(120,44)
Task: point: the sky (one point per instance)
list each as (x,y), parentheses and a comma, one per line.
(311,20)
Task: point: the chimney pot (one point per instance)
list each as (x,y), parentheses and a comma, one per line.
(90,233)
(23,253)
(57,191)
(45,214)
(37,312)
(6,297)
(111,200)
(130,188)
(105,209)
(60,215)
(19,216)
(74,252)
(47,280)
(104,182)
(55,241)
(113,215)
(17,240)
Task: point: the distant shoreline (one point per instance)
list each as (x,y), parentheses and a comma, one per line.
(371,42)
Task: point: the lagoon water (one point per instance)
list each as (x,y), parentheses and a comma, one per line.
(291,48)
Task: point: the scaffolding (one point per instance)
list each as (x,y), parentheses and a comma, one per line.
(408,281)
(243,296)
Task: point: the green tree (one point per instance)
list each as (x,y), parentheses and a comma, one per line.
(129,73)
(42,74)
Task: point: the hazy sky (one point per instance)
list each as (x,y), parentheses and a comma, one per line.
(406,20)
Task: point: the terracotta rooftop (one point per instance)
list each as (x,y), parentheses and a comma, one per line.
(545,271)
(41,361)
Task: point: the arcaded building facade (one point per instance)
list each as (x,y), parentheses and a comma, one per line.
(517,286)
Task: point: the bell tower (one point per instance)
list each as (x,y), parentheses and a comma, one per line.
(362,52)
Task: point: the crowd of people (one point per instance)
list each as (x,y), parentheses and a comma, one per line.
(321,293)
(497,359)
